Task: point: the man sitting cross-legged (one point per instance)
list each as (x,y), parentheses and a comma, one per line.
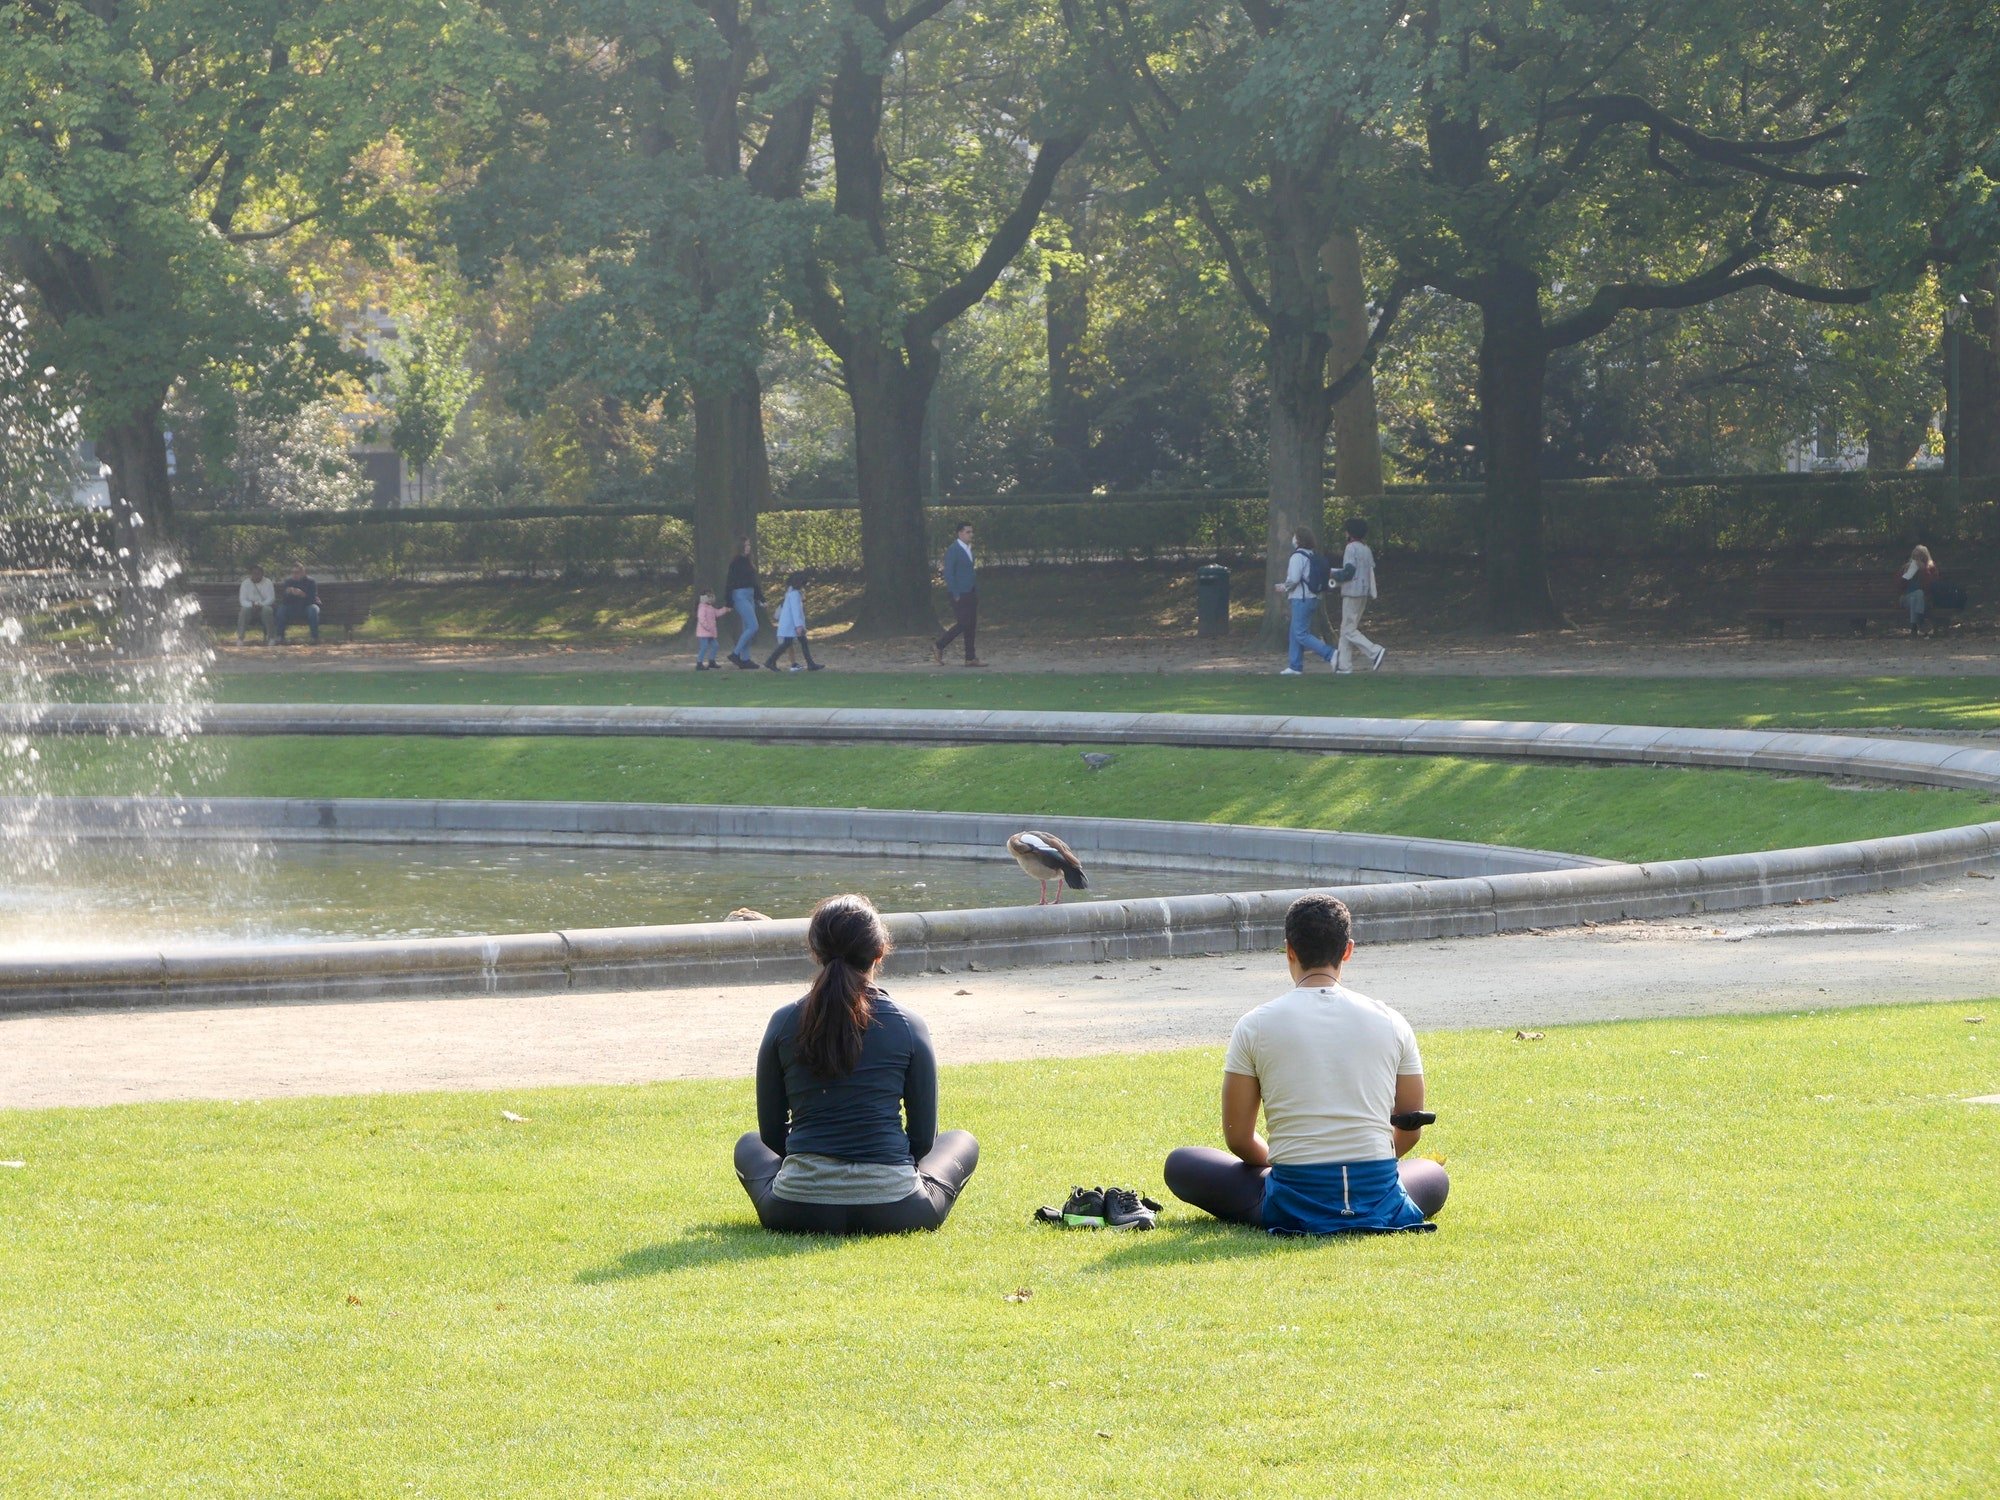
(1329,1067)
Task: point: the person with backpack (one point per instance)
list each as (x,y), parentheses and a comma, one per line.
(1306,578)
(1356,577)
(1918,579)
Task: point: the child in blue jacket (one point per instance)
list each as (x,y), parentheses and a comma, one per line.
(792,626)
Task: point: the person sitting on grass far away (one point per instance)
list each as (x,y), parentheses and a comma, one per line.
(847,1099)
(792,626)
(256,599)
(1330,1068)
(298,604)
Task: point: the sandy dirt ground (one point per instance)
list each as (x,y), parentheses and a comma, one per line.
(1579,653)
(1939,942)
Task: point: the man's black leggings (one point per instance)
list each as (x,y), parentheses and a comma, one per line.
(1232,1189)
(940,1177)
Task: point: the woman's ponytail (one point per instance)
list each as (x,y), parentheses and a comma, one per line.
(847,939)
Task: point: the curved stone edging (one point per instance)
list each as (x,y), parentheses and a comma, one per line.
(723,953)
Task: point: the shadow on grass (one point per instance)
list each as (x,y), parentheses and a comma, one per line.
(720,1242)
(1211,1239)
(1207,1239)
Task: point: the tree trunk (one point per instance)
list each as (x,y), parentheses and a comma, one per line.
(1295,463)
(1357,432)
(1067,320)
(1978,336)
(1893,441)
(888,396)
(1513,368)
(135,451)
(732,476)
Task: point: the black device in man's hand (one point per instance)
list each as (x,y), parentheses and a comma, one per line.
(1414,1119)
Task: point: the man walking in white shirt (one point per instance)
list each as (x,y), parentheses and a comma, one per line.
(1356,576)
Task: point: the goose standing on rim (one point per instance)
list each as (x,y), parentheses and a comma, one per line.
(1045,858)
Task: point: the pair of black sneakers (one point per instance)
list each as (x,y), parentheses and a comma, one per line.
(1103,1208)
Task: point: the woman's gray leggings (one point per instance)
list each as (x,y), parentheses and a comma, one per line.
(1232,1189)
(940,1177)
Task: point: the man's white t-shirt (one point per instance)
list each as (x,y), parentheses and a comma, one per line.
(252,592)
(1360,557)
(1326,1060)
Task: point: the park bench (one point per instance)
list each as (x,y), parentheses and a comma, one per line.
(1856,598)
(344,604)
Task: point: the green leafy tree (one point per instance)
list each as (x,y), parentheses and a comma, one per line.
(429,383)
(946,132)
(1559,167)
(1282,222)
(649,159)
(156,157)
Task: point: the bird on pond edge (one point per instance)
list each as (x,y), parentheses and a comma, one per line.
(1045,858)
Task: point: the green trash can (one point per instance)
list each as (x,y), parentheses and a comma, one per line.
(1211,598)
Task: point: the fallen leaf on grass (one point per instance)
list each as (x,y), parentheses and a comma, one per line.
(16,1165)
(1527,1036)
(1969,1020)
(1019,1294)
(1103,1434)
(512,1118)
(352,1300)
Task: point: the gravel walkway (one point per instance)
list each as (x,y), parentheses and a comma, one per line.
(1938,942)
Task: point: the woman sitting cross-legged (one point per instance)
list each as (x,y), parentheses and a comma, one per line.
(846,1139)
(1330,1068)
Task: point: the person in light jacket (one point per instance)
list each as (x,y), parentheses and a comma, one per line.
(256,598)
(792,626)
(1356,577)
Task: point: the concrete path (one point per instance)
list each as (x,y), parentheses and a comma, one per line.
(1936,942)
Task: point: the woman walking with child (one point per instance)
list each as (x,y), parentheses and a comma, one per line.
(745,594)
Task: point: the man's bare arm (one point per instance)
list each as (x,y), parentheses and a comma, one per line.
(1409,1098)
(1241,1098)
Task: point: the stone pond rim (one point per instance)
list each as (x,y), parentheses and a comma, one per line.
(1563,890)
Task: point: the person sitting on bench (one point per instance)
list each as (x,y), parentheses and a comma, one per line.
(847,1099)
(298,603)
(255,597)
(1330,1067)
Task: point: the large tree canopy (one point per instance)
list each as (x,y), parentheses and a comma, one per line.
(156,156)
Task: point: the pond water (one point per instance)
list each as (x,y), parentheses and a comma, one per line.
(108,894)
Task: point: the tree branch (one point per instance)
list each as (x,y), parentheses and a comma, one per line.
(1365,361)
(918,13)
(1745,156)
(1005,244)
(1723,279)
(254,236)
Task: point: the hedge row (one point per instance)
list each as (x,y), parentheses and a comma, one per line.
(1613,517)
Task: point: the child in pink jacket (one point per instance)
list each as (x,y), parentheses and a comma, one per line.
(705,616)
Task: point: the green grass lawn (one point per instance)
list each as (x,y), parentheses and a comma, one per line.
(1716,1258)
(1616,812)
(1752,703)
